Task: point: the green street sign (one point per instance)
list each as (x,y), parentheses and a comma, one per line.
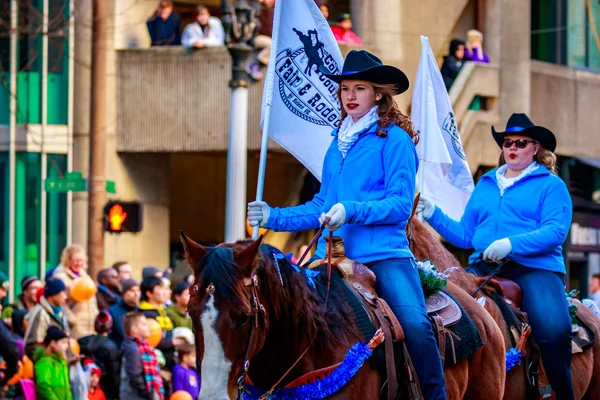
(58,185)
(110,187)
(73,176)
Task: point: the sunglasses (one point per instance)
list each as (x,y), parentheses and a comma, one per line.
(520,143)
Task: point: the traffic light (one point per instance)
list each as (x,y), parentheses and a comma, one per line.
(121,216)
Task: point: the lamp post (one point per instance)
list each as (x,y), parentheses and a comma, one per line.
(240,29)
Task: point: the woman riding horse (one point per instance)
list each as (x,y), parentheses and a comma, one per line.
(520,214)
(367,191)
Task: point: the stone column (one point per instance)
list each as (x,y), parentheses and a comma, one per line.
(81,113)
(515,58)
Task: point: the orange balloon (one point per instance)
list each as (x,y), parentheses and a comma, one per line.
(250,229)
(83,289)
(16,377)
(155,332)
(74,346)
(181,395)
(27,368)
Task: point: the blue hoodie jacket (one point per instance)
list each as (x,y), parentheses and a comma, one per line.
(534,214)
(375,182)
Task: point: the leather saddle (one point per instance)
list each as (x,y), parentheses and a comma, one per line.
(443,310)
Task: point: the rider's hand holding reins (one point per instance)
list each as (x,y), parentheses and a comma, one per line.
(498,250)
(258,213)
(337,217)
(425,207)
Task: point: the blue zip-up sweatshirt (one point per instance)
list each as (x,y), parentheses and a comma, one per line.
(375,183)
(534,214)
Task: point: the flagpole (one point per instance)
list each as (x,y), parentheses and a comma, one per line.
(264,144)
(423,116)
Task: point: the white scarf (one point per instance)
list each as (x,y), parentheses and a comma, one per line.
(504,182)
(349,130)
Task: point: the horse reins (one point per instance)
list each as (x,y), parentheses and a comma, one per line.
(257,307)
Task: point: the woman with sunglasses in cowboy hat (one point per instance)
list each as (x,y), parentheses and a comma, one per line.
(520,214)
(367,191)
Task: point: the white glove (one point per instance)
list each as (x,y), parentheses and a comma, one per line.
(258,213)
(498,250)
(337,216)
(425,207)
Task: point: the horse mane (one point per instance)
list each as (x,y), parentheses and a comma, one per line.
(295,307)
(426,245)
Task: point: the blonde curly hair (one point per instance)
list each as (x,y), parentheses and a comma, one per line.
(68,252)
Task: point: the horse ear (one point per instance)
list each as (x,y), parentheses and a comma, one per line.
(245,258)
(193,251)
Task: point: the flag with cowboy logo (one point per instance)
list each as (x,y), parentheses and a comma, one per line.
(444,176)
(303,102)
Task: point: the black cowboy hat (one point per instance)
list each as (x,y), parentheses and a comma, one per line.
(364,66)
(520,124)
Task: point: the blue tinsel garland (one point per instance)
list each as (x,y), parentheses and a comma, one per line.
(513,358)
(325,387)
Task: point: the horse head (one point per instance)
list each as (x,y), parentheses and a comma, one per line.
(226,307)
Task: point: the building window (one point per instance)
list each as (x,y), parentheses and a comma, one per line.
(56,213)
(562,32)
(4,187)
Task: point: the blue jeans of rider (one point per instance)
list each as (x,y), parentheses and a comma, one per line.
(399,284)
(546,306)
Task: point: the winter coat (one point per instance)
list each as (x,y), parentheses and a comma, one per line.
(178,318)
(133,386)
(85,311)
(51,376)
(106,298)
(118,312)
(9,353)
(167,32)
(105,354)
(215,36)
(378,200)
(534,214)
(186,379)
(343,36)
(166,343)
(450,69)
(39,319)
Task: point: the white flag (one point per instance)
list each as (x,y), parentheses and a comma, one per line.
(444,176)
(303,102)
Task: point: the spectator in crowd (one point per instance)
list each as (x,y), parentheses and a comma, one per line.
(4,288)
(262,42)
(185,376)
(108,288)
(169,293)
(154,296)
(149,271)
(178,311)
(164,26)
(453,62)
(128,303)
(123,269)
(72,266)
(95,373)
(8,349)
(140,377)
(595,289)
(50,365)
(26,300)
(474,48)
(50,311)
(325,10)
(343,31)
(206,31)
(105,354)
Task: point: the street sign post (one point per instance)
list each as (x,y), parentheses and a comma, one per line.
(72,182)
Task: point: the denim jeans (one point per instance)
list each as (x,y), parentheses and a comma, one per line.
(399,285)
(545,303)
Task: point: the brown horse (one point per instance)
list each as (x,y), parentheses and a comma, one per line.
(585,366)
(223,315)
(269,325)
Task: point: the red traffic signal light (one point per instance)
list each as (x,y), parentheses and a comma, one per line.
(120,216)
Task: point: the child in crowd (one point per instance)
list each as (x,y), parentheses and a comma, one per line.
(140,377)
(50,365)
(95,392)
(185,376)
